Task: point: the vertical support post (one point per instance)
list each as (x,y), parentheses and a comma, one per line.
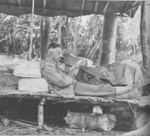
(41,36)
(59,30)
(133,112)
(145,35)
(75,39)
(31,36)
(109,39)
(41,113)
(45,35)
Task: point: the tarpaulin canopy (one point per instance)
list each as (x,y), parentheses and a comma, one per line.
(71,8)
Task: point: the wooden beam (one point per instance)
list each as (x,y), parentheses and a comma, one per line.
(39,96)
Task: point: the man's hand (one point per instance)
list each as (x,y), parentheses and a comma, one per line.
(71,74)
(76,66)
(134,85)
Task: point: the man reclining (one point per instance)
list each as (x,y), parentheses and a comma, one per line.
(65,85)
(116,74)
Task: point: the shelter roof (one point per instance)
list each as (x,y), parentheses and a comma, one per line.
(71,8)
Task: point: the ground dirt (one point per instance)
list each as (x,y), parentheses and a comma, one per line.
(15,129)
(54,113)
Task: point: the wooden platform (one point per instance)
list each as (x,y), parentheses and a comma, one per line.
(42,97)
(94,100)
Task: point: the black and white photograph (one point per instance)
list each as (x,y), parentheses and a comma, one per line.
(75,67)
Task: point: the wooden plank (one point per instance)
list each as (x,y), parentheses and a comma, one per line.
(90,100)
(83,99)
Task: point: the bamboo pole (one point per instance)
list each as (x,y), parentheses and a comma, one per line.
(31,36)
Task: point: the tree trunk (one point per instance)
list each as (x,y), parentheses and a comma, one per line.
(105,122)
(59,30)
(75,38)
(45,36)
(67,32)
(145,35)
(67,26)
(109,40)
(41,37)
(31,35)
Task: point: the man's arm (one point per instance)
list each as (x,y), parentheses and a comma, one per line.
(59,79)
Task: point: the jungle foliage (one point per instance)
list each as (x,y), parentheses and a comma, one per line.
(81,36)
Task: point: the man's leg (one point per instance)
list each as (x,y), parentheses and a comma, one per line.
(100,90)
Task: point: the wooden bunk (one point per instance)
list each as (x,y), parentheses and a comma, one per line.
(42,97)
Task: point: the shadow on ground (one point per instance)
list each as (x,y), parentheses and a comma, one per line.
(15,129)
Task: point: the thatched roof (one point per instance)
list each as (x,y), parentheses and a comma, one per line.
(71,8)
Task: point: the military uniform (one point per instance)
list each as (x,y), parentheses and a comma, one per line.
(62,84)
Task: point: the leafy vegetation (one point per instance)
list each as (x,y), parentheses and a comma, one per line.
(81,36)
(128,37)
(15,34)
